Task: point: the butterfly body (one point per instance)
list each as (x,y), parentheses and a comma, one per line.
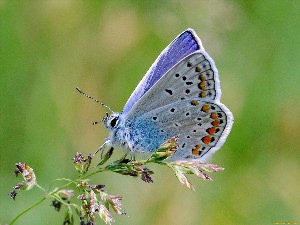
(179,96)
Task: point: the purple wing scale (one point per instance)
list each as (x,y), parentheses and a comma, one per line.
(182,46)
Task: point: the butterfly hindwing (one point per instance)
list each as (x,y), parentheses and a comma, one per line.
(201,126)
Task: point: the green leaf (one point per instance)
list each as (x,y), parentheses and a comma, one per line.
(106,156)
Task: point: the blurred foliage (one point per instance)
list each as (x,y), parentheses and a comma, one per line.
(47,48)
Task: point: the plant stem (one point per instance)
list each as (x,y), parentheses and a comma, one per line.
(26,210)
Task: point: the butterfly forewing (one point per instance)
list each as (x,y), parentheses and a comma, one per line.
(183,45)
(194,77)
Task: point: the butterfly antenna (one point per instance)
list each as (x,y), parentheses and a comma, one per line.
(84,94)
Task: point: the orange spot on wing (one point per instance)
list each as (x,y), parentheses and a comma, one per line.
(202,77)
(206,140)
(214,115)
(203,94)
(202,85)
(216,123)
(198,69)
(211,130)
(194,102)
(195,151)
(205,108)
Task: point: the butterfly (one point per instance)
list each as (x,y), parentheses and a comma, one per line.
(178,97)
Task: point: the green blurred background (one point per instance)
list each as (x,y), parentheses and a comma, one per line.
(47,48)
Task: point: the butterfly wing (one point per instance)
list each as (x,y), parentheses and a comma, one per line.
(201,126)
(185,102)
(183,45)
(196,76)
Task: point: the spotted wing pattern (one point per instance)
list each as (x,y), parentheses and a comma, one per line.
(201,126)
(187,100)
(183,45)
(194,77)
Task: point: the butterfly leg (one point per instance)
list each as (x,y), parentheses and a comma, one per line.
(107,142)
(132,157)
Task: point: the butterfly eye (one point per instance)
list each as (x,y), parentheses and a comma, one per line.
(114,121)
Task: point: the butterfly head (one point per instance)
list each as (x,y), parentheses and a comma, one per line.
(111,121)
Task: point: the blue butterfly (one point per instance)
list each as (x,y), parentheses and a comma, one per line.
(179,96)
